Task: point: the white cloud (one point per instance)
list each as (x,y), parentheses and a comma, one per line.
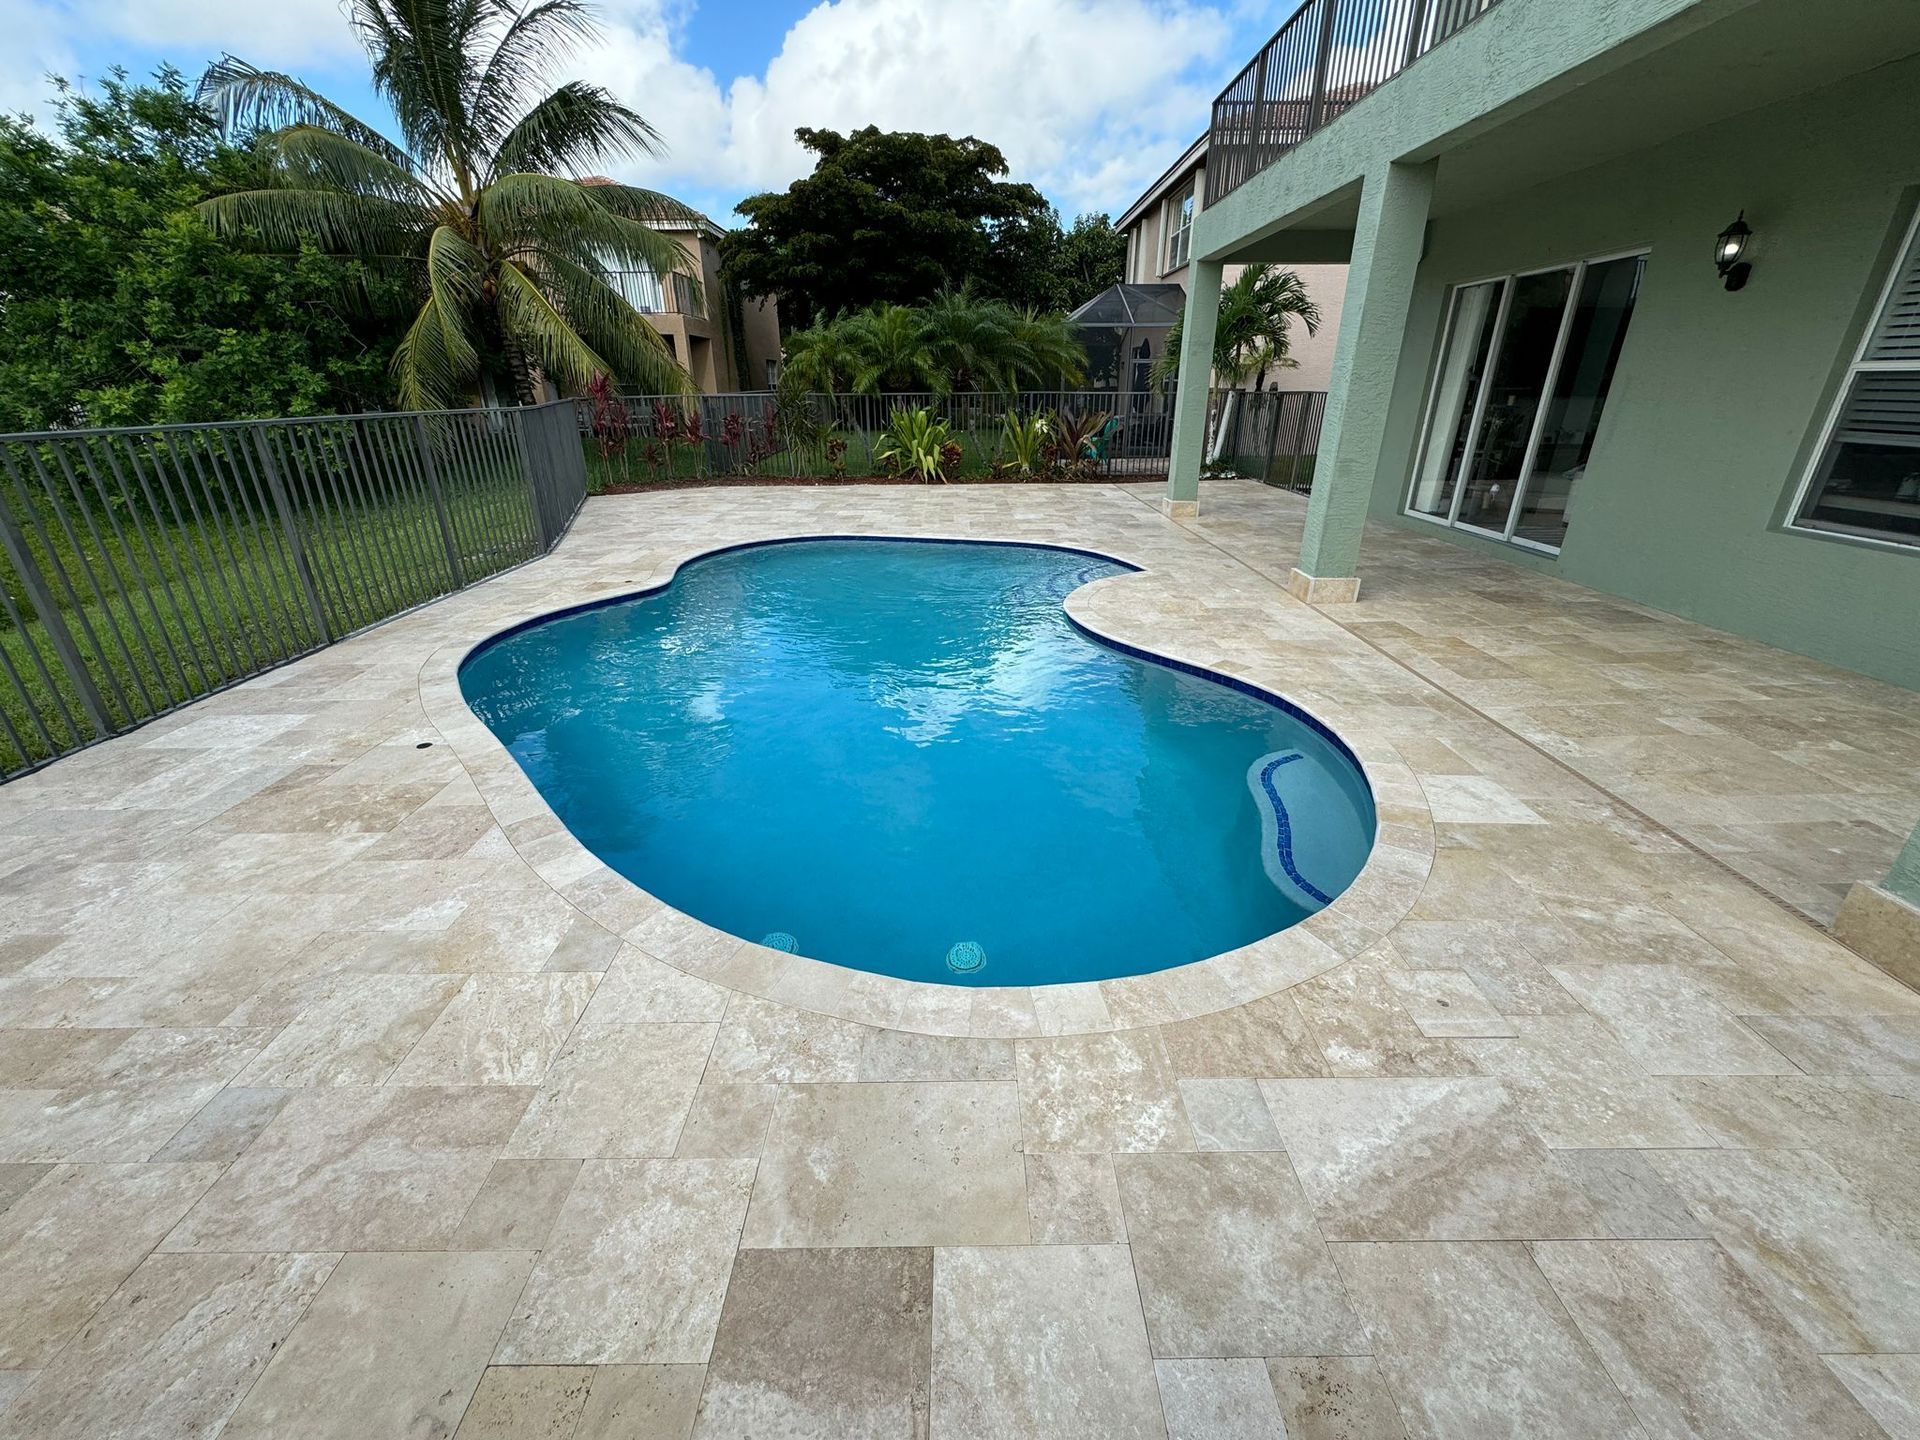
(60,37)
(1088,98)
(278,34)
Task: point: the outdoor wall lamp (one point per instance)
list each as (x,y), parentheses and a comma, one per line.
(1729,250)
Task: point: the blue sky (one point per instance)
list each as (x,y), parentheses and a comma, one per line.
(1090,99)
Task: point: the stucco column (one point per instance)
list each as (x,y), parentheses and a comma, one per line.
(1190,402)
(1882,922)
(1904,878)
(1387,241)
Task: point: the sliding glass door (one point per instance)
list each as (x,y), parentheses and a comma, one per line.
(1524,372)
(1463,364)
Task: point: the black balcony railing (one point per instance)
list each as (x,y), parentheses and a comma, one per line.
(652,294)
(1331,54)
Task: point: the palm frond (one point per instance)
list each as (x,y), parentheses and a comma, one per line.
(246,99)
(419,54)
(312,157)
(649,207)
(526,211)
(638,359)
(435,365)
(532,319)
(350,225)
(576,127)
(533,36)
(456,272)
(889,349)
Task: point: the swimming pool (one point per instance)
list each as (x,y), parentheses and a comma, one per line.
(902,756)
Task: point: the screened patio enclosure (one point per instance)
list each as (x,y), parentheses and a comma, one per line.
(1124,329)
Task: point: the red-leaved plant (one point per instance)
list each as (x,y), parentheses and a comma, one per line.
(612,427)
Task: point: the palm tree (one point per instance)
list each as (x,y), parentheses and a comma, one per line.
(1251,335)
(889,346)
(512,260)
(1048,350)
(971,340)
(819,359)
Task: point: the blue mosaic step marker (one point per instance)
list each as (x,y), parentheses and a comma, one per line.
(1267,777)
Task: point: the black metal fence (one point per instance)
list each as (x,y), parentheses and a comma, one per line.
(1273,436)
(142,568)
(1330,55)
(1087,434)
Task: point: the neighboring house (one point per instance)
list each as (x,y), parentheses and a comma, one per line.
(726,344)
(1159,231)
(1559,344)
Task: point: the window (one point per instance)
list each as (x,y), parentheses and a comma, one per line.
(1866,479)
(1180,237)
(773,374)
(1525,365)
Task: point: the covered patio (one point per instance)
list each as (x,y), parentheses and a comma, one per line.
(343,1093)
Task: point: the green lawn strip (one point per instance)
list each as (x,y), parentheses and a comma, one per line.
(241,608)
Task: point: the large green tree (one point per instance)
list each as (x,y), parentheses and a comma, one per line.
(1036,263)
(884,217)
(509,257)
(118,307)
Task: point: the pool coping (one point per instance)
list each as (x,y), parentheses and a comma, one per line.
(1387,887)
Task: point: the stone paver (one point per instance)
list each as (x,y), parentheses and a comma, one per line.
(342,1092)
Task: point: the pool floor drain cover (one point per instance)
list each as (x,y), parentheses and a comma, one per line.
(781,940)
(967,956)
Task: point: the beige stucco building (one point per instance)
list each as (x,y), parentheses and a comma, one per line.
(1159,231)
(726,343)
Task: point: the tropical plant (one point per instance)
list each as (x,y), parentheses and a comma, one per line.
(1023,442)
(819,359)
(1073,439)
(915,443)
(510,260)
(958,342)
(1252,332)
(1048,352)
(890,351)
(971,341)
(611,426)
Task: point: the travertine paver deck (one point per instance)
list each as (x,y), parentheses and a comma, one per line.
(342,1094)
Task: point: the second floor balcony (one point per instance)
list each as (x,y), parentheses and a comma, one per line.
(1331,54)
(655,294)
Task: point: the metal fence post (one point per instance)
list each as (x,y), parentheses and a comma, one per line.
(1322,59)
(1300,439)
(425,444)
(1416,23)
(41,598)
(291,527)
(516,421)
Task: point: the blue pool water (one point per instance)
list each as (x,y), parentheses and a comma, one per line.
(903,757)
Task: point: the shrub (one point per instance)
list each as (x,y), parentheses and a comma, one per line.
(1023,443)
(1072,444)
(914,443)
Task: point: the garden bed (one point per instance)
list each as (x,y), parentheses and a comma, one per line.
(726,482)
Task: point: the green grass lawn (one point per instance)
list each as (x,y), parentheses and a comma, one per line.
(171,593)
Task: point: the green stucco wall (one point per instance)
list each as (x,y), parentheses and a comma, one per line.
(1718,396)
